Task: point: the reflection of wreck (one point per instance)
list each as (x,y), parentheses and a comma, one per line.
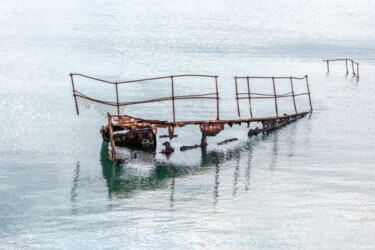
(123,130)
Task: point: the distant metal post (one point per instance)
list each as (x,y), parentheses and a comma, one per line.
(327,66)
(357,71)
(174,115)
(308,90)
(248,93)
(118,105)
(74,93)
(294,99)
(274,90)
(353,67)
(217,100)
(346,63)
(238,106)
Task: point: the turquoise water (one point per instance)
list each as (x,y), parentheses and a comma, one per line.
(308,185)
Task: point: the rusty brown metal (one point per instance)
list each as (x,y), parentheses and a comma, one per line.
(346,64)
(308,91)
(248,92)
(174,114)
(294,98)
(74,93)
(217,100)
(111,138)
(355,74)
(118,105)
(254,95)
(238,105)
(137,126)
(274,90)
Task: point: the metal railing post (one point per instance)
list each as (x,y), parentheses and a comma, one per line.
(346,63)
(308,91)
(174,115)
(248,93)
(217,100)
(74,93)
(294,99)
(357,71)
(118,105)
(275,96)
(238,105)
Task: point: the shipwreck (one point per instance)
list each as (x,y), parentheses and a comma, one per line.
(125,130)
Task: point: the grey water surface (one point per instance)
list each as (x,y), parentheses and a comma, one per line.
(308,185)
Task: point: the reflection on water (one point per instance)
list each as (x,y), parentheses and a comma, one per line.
(122,180)
(73,192)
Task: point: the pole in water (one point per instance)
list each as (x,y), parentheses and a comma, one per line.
(346,62)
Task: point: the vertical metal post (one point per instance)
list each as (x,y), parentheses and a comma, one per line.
(74,93)
(327,66)
(294,99)
(217,100)
(174,115)
(248,94)
(113,158)
(238,106)
(353,67)
(118,105)
(346,63)
(274,90)
(357,71)
(308,91)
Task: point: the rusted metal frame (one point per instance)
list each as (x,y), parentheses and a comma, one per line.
(217,100)
(308,91)
(118,106)
(294,99)
(174,115)
(183,123)
(274,90)
(248,92)
(355,74)
(74,93)
(111,137)
(238,105)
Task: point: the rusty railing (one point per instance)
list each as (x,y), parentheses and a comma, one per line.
(172,98)
(355,74)
(275,96)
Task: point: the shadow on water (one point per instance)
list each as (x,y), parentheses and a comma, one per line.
(122,180)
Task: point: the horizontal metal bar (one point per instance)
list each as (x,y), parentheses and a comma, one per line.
(141,80)
(166,77)
(331,60)
(90,77)
(270,77)
(272,96)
